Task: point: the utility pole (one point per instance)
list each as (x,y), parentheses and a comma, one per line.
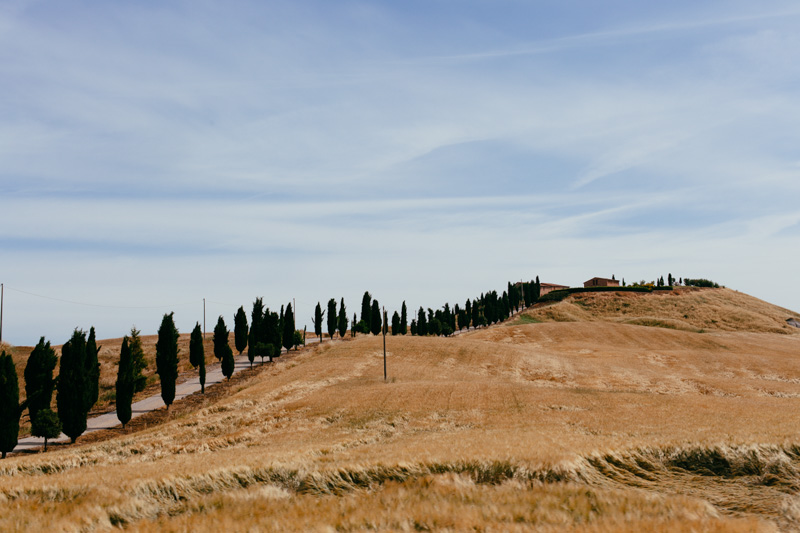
(204,319)
(384,344)
(1,311)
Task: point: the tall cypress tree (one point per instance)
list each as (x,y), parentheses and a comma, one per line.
(220,338)
(403,319)
(271,335)
(197,355)
(240,331)
(422,323)
(9,404)
(256,338)
(92,368)
(353,327)
(167,358)
(71,398)
(139,362)
(395,324)
(228,363)
(288,328)
(318,315)
(124,383)
(537,291)
(366,311)
(375,319)
(39,382)
(342,322)
(332,318)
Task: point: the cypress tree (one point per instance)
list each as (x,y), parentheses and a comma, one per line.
(413,327)
(39,382)
(9,404)
(342,323)
(167,358)
(366,311)
(395,324)
(467,313)
(318,315)
(257,331)
(220,338)
(375,319)
(45,425)
(139,362)
(240,332)
(422,323)
(476,315)
(197,355)
(403,319)
(288,328)
(124,385)
(271,335)
(227,361)
(332,318)
(92,367)
(280,325)
(537,291)
(71,397)
(353,328)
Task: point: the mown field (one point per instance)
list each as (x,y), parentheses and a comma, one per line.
(605,412)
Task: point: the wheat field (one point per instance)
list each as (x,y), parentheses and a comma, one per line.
(604,412)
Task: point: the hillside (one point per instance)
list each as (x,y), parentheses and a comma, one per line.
(583,421)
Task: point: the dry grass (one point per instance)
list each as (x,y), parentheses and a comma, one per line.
(587,425)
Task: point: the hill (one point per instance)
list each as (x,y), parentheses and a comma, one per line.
(583,421)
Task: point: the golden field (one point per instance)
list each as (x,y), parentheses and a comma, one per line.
(668,411)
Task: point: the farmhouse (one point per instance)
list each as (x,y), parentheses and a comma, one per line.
(601,282)
(550,287)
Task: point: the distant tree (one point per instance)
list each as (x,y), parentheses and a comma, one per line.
(467,312)
(375,319)
(342,322)
(476,315)
(46,425)
(353,327)
(318,316)
(10,411)
(422,323)
(71,397)
(257,335)
(403,319)
(333,318)
(537,290)
(124,384)
(167,358)
(39,382)
(197,355)
(395,324)
(138,361)
(240,331)
(272,333)
(670,279)
(221,334)
(366,311)
(288,328)
(92,368)
(413,327)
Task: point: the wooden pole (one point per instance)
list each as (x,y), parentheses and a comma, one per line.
(384,344)
(2,288)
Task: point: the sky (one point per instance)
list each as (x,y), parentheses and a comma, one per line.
(157,153)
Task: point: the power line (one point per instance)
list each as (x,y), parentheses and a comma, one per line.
(100,305)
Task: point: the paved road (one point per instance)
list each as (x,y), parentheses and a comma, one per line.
(110,420)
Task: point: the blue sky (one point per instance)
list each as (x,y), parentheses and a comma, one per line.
(153,154)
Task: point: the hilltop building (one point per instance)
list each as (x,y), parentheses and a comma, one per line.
(601,282)
(550,287)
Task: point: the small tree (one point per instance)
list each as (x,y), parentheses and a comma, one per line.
(288,328)
(375,320)
(124,385)
(39,382)
(240,331)
(197,355)
(71,397)
(46,425)
(342,322)
(318,314)
(332,318)
(227,361)
(395,324)
(138,361)
(9,404)
(167,358)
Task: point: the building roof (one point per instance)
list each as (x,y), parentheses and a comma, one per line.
(552,285)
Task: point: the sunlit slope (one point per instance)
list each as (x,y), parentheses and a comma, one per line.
(631,428)
(685,308)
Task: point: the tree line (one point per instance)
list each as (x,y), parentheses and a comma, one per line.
(77,384)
